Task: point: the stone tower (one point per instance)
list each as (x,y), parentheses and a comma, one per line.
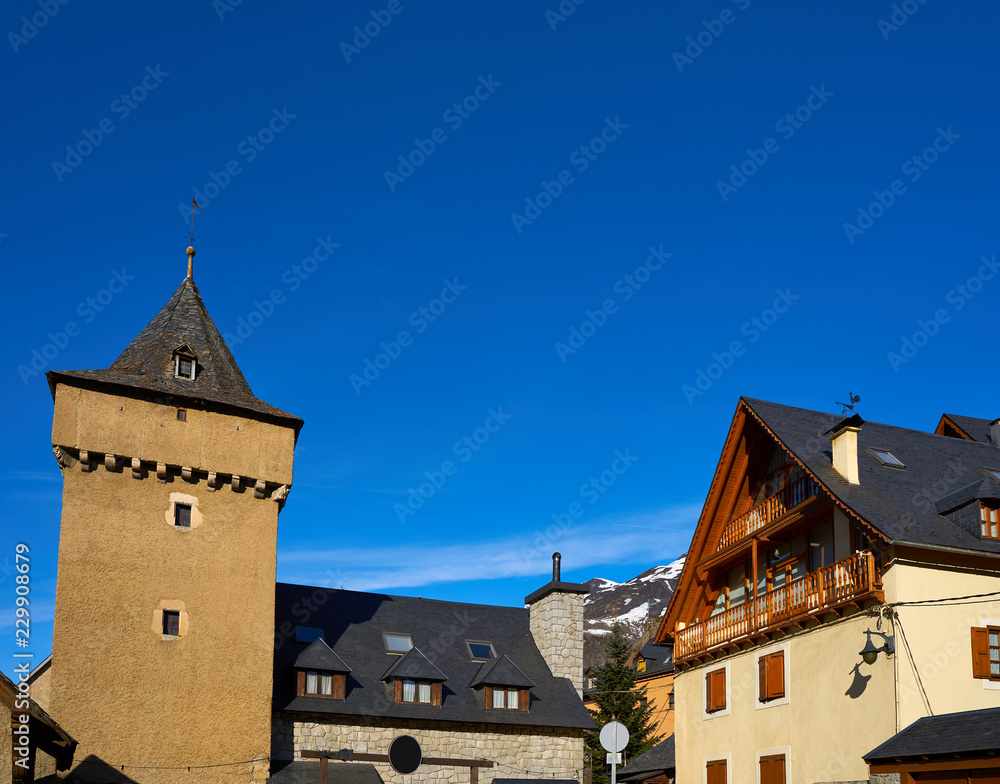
(173,478)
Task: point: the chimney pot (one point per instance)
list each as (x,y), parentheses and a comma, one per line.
(556,567)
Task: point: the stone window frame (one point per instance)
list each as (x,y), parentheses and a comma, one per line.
(158,624)
(171,514)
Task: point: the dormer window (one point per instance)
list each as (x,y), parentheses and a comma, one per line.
(989,519)
(185,362)
(501,698)
(318,683)
(419,692)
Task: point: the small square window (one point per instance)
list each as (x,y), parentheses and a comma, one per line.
(182,515)
(396,643)
(171,623)
(480,651)
(887,458)
(182,414)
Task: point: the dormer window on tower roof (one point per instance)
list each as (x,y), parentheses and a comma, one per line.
(185,362)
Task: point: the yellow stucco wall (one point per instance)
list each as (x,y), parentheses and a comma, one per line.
(939,638)
(822,729)
(206,441)
(658,691)
(128,695)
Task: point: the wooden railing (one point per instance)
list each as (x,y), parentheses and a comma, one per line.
(769,510)
(835,584)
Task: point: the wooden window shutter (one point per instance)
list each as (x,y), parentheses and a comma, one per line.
(399,690)
(525,699)
(772,769)
(980,652)
(715,772)
(762,681)
(776,677)
(339,686)
(435,694)
(715,694)
(489,697)
(300,687)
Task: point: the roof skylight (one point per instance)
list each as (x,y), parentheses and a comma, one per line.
(887,458)
(480,651)
(396,643)
(993,473)
(307,633)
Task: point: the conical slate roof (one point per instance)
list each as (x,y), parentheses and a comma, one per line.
(147,363)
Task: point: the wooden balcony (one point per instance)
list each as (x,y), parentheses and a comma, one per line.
(770,509)
(844,582)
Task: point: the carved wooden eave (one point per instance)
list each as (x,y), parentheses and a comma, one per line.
(69,458)
(720,503)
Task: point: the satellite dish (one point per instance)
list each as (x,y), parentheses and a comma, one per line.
(614,736)
(405,755)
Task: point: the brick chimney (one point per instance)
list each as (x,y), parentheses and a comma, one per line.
(556,622)
(844,437)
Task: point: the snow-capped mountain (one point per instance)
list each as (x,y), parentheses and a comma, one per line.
(632,603)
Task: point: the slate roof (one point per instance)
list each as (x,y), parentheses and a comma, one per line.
(898,502)
(973,427)
(147,362)
(965,733)
(659,659)
(353,623)
(319,656)
(502,672)
(307,772)
(658,759)
(413,665)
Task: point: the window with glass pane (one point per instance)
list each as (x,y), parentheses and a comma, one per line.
(409,691)
(424,693)
(326,685)
(311,682)
(821,546)
(994,652)
(737,586)
(989,516)
(481,650)
(512,699)
(498,698)
(397,643)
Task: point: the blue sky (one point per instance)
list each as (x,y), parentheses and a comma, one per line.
(573,239)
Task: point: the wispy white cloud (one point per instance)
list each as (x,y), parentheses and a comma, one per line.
(642,537)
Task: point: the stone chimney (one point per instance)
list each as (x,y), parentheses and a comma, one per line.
(844,437)
(556,622)
(995,432)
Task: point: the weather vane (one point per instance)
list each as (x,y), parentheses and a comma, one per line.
(855,399)
(195,206)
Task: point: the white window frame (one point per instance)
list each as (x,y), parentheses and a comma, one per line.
(177,366)
(705,715)
(385,642)
(757,704)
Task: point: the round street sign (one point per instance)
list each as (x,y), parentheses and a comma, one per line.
(614,736)
(404,754)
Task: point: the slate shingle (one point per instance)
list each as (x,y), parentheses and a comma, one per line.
(968,732)
(353,623)
(147,362)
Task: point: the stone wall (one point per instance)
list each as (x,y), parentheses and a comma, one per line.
(519,752)
(557,626)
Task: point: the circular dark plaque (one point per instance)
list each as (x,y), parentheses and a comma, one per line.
(405,755)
